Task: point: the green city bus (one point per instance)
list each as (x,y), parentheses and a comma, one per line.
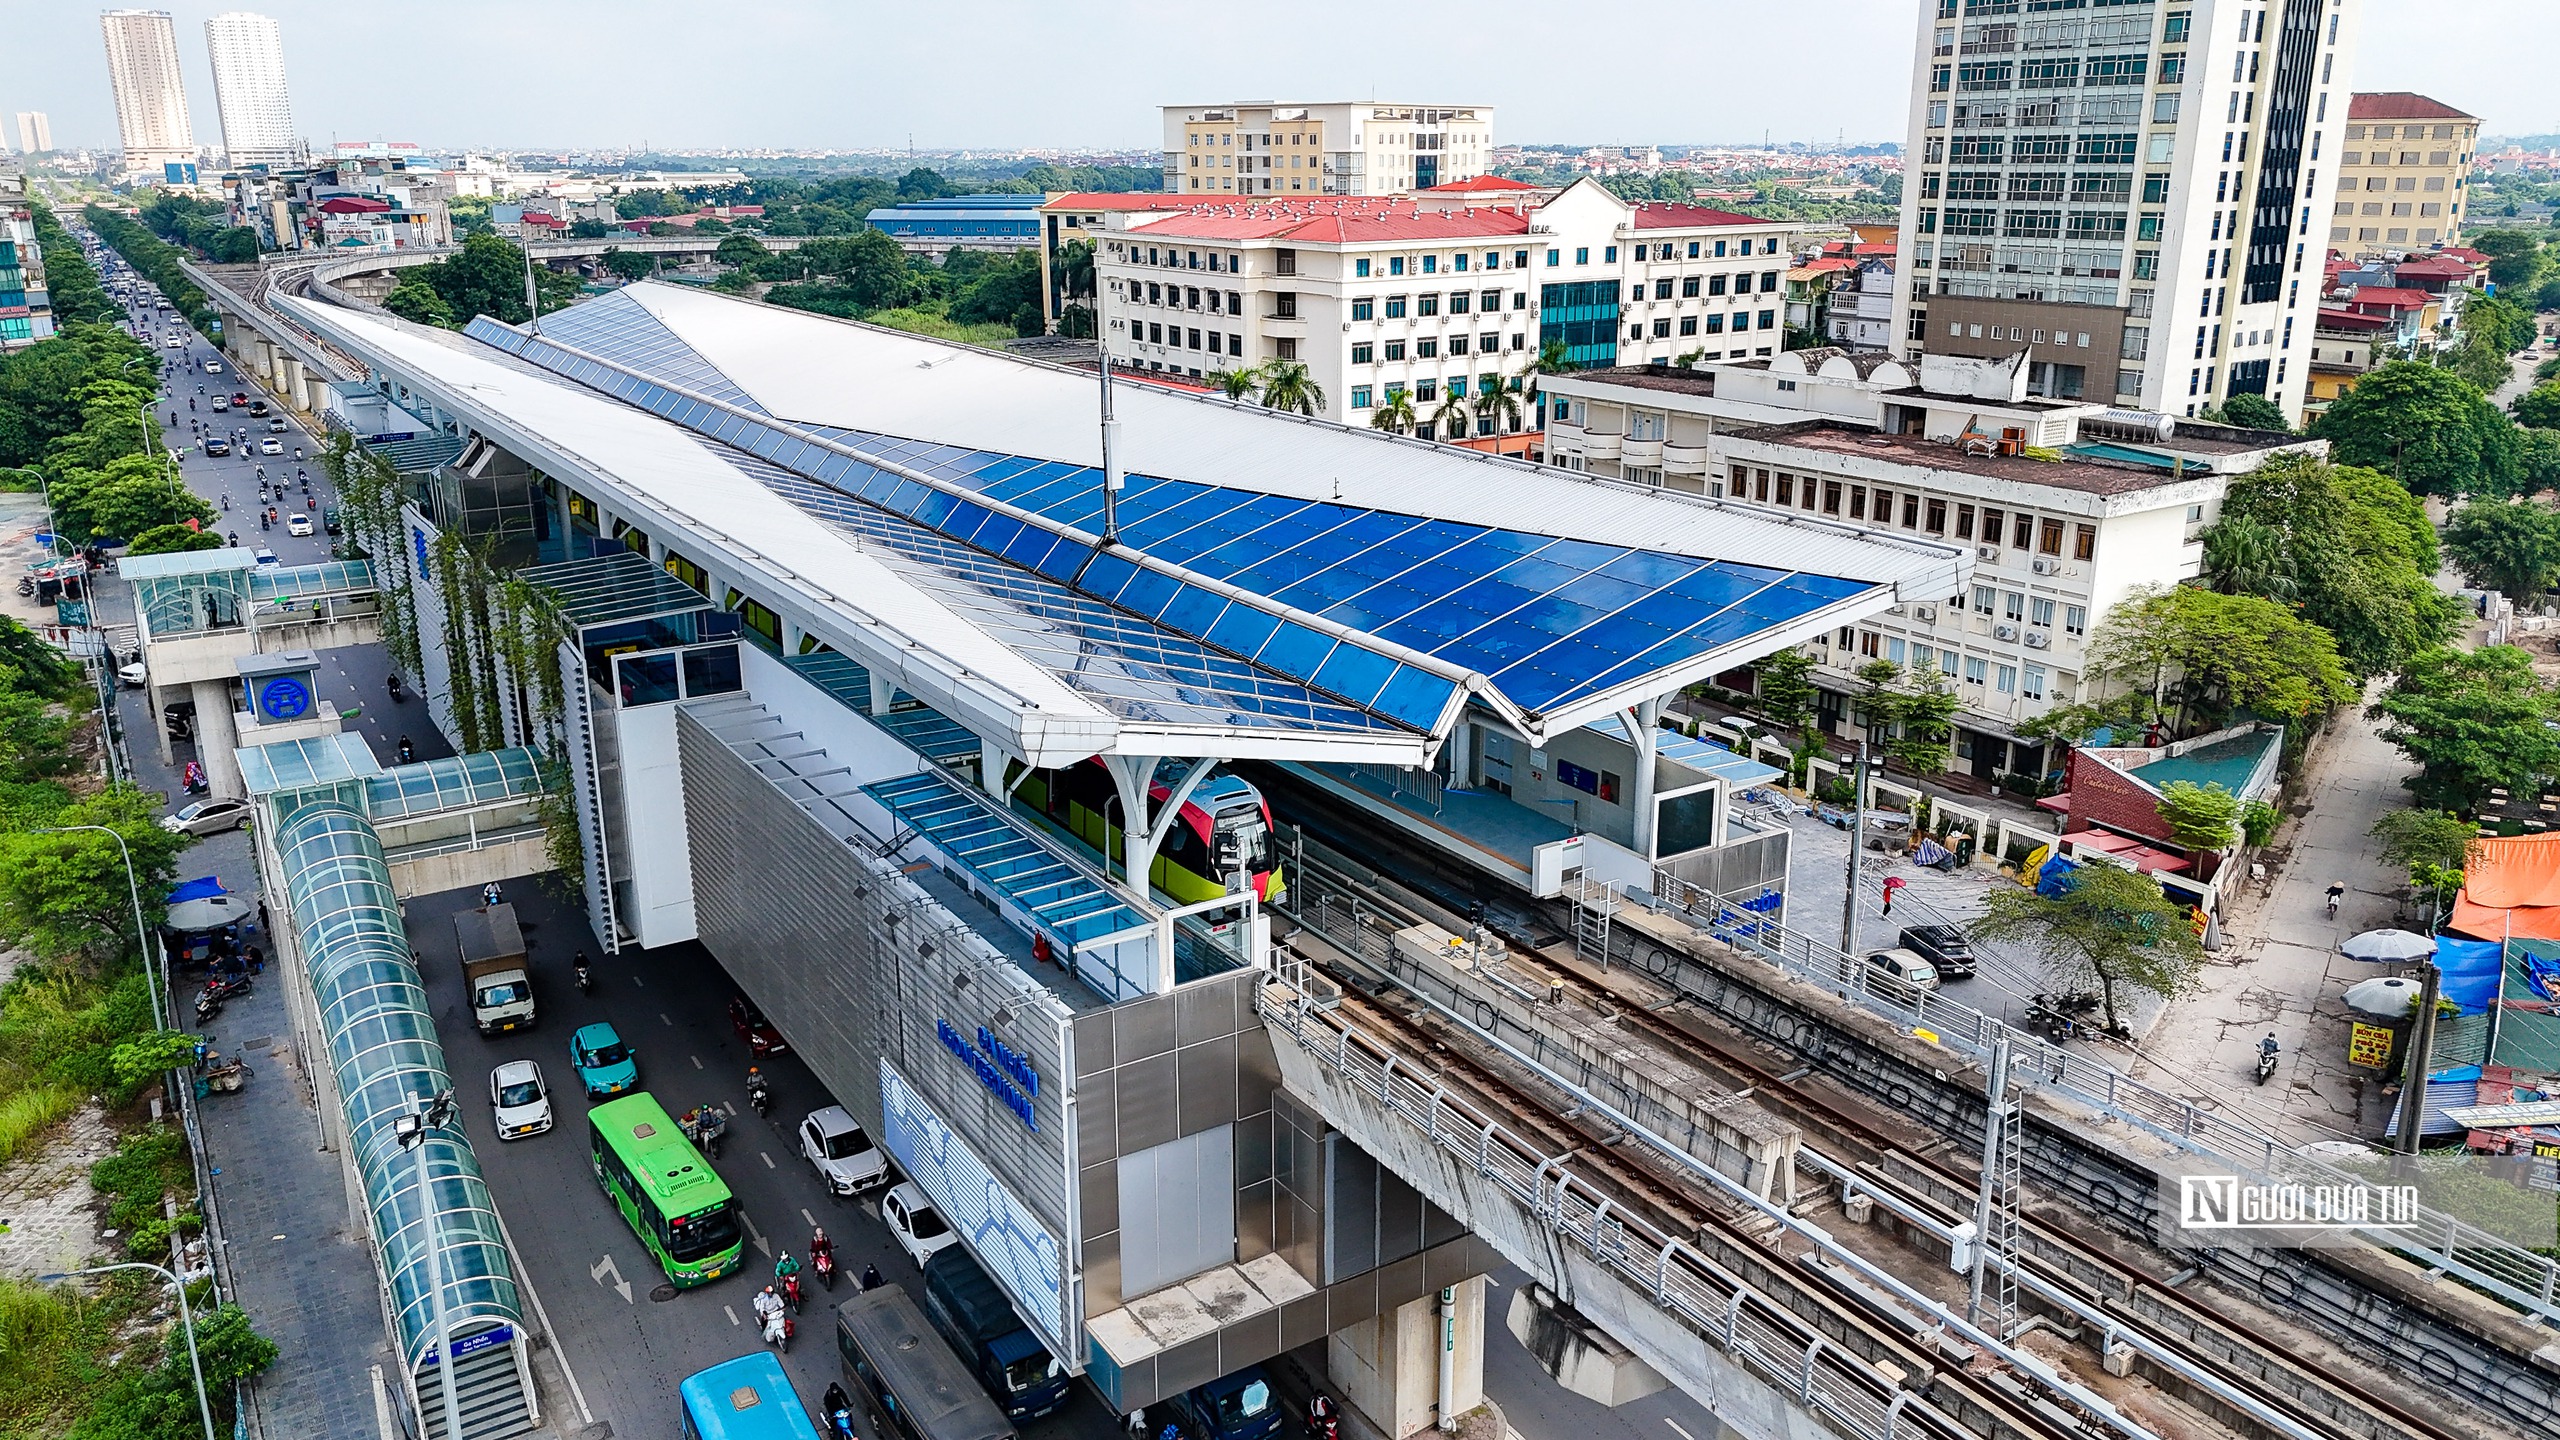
(672,1198)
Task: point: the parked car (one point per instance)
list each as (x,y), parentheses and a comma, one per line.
(843,1155)
(1943,946)
(519,1101)
(207,817)
(762,1039)
(605,1066)
(919,1228)
(1905,966)
(297,524)
(1232,1407)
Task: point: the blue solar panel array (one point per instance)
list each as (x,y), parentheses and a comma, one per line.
(1547,620)
(622,326)
(962,825)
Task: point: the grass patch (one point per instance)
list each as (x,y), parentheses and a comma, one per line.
(29,1113)
(942,327)
(110,1364)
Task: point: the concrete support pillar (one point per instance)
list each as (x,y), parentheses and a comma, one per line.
(1462,755)
(158,720)
(1585,1359)
(792,634)
(217,736)
(1390,1367)
(1644,724)
(297,385)
(883,691)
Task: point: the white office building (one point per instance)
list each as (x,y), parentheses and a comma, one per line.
(35,132)
(1434,297)
(1349,148)
(1935,448)
(2080,179)
(151,95)
(248,86)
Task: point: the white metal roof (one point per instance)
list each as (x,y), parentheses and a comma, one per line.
(800,366)
(682,491)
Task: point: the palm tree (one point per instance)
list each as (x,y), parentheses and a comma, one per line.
(1396,415)
(1238,384)
(1287,385)
(1450,418)
(1500,404)
(2243,556)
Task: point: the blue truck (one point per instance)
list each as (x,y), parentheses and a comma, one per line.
(974,1315)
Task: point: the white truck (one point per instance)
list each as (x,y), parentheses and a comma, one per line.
(495,968)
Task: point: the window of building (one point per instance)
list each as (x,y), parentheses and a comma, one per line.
(1984,597)
(1426,304)
(1662,329)
(1688,324)
(2040,611)
(1910,512)
(1361,354)
(1786,487)
(2033,686)
(2075,620)
(2022,532)
(1426,348)
(1430,264)
(2084,542)
(2049,538)
(1359,397)
(1425,391)
(1457,344)
(1395,307)
(1582,255)
(1395,350)
(2006,680)
(1688,287)
(1830,497)
(1609,255)
(1964,522)
(1458,302)
(1360,269)
(2013,605)
(1937,523)
(1976,669)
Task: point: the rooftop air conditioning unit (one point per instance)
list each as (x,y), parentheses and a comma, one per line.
(1928,613)
(2004,632)
(2039,640)
(1986,552)
(2044,566)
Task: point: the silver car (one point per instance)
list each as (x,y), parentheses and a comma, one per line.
(208,817)
(519,1100)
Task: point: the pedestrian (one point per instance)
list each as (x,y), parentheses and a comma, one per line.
(1136,1423)
(257,960)
(262,912)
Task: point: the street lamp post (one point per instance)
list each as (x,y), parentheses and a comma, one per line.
(133,887)
(186,1320)
(411,1131)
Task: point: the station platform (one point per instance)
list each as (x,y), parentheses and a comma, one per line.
(1491,832)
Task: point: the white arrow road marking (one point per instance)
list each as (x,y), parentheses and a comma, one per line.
(756,1235)
(604,1267)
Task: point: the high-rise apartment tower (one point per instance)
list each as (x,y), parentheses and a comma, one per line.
(248,86)
(2135,192)
(1362,147)
(35,132)
(151,98)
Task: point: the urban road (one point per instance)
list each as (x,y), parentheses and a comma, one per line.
(623,1337)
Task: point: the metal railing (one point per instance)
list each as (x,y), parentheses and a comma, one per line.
(1765,1337)
(2510,1271)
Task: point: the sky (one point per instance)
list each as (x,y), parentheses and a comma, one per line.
(679,74)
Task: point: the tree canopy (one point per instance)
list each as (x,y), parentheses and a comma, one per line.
(2350,547)
(2540,406)
(2252,412)
(2432,429)
(2199,655)
(2471,719)
(2510,546)
(2110,928)
(2200,817)
(487,278)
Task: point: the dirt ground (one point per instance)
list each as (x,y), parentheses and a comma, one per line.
(45,1201)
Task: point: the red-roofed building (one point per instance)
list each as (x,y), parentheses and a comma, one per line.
(2344,345)
(1379,294)
(2404,172)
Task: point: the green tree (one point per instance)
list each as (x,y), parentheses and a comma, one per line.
(740,250)
(2515,255)
(1785,689)
(2433,837)
(2539,407)
(2199,653)
(2252,412)
(2246,556)
(630,265)
(1241,384)
(2109,930)
(1449,417)
(2349,546)
(64,895)
(1924,717)
(2200,817)
(2471,719)
(1289,385)
(1395,414)
(416,300)
(1498,404)
(35,737)
(2433,430)
(2510,546)
(171,539)
(583,230)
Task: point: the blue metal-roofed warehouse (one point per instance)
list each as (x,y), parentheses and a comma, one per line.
(961,222)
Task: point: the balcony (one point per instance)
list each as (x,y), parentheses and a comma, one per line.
(1604,445)
(1684,459)
(1647,453)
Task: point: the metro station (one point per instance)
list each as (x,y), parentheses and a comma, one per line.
(882,667)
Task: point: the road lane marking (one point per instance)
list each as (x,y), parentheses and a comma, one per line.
(768,1164)
(696,1059)
(663,1020)
(1676,1430)
(604,1267)
(812,1220)
(637,981)
(731,1311)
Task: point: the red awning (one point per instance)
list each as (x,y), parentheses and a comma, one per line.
(2058,804)
(2133,852)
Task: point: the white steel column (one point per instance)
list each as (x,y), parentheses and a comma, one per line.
(1644,727)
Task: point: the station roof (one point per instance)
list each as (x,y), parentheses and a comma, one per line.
(1371,583)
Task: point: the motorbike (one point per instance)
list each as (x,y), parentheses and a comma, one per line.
(393,685)
(586,979)
(2266,1065)
(761,1097)
(824,1262)
(193,778)
(1324,1422)
(26,585)
(778,1328)
(264,523)
(791,1292)
(408,752)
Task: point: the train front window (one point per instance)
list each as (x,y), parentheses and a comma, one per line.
(1251,839)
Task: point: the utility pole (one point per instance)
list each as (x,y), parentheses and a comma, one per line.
(2422,1040)
(1110,467)
(1857,842)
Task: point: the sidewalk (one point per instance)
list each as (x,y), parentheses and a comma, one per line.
(2280,970)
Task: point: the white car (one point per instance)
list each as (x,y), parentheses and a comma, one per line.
(207,817)
(519,1100)
(297,524)
(213,367)
(270,447)
(912,1218)
(832,1142)
(174,343)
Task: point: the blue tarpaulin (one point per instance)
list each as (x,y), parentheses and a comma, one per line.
(2053,879)
(206,887)
(2471,970)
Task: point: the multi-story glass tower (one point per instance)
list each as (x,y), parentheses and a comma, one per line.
(2135,192)
(248,86)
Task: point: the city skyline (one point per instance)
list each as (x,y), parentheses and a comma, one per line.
(797,101)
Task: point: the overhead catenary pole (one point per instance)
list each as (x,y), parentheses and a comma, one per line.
(2413,1092)
(1857,842)
(1110,463)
